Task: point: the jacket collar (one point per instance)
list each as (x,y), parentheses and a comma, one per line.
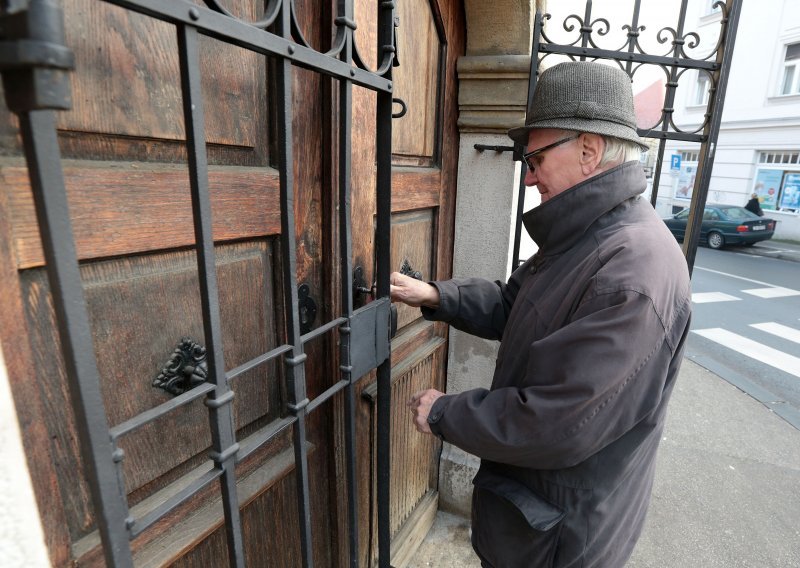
(558,223)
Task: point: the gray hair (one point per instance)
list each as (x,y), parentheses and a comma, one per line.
(618,151)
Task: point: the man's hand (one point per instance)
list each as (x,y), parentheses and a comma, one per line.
(420,405)
(412,292)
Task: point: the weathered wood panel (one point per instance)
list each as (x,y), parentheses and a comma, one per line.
(128,208)
(416,80)
(412,241)
(413,454)
(139,308)
(127,84)
(415,188)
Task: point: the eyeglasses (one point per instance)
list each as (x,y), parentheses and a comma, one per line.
(529,157)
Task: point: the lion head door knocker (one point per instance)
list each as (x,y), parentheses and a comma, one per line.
(185,369)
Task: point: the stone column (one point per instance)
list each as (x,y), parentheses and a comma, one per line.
(493,88)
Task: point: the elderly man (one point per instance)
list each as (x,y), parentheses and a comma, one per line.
(592,330)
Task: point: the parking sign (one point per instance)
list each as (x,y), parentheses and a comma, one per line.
(675,163)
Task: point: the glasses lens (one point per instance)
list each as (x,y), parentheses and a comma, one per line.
(529,161)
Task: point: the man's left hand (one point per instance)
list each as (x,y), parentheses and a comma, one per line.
(420,405)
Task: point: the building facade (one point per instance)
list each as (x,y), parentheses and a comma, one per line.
(758,149)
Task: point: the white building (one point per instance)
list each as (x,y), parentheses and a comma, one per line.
(758,149)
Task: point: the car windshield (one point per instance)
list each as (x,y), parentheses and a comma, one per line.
(738,213)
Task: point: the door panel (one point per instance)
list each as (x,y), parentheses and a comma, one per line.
(125,170)
(424,157)
(414,136)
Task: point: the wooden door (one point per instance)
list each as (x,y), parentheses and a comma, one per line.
(430,38)
(127,182)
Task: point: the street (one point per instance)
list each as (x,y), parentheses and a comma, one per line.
(746,325)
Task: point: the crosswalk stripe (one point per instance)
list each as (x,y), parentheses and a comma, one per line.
(772,292)
(707,297)
(782,331)
(753,349)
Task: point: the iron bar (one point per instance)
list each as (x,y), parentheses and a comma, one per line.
(322,330)
(670,135)
(260,360)
(326,395)
(219,400)
(43,157)
(538,23)
(157,412)
(147,520)
(482,147)
(657,174)
(594,52)
(294,361)
(255,441)
(346,254)
(242,34)
(521,190)
(711,132)
(633,34)
(383,143)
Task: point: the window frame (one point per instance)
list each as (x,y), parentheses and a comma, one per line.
(787,65)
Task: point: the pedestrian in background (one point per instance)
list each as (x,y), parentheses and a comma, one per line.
(754,205)
(592,331)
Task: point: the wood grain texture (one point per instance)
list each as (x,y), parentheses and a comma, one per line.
(119,209)
(415,188)
(412,241)
(454,23)
(126,81)
(27,398)
(416,80)
(139,308)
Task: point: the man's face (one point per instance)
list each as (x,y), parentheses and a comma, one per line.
(558,168)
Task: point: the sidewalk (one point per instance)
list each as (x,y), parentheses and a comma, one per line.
(773,249)
(726,490)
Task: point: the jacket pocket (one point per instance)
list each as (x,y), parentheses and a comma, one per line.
(540,514)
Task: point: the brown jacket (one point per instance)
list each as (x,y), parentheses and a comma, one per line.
(592,330)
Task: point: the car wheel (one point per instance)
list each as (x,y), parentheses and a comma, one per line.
(715,240)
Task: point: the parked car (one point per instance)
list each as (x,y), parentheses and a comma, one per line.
(725,225)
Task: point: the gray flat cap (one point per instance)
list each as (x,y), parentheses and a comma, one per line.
(583,96)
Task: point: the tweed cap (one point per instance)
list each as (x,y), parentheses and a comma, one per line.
(582,96)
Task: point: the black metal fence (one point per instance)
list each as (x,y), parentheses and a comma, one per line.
(674,62)
(35,65)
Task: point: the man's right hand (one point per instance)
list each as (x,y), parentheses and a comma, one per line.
(412,292)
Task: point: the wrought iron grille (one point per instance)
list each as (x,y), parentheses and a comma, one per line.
(674,62)
(35,65)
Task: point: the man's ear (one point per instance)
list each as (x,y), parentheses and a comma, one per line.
(592,147)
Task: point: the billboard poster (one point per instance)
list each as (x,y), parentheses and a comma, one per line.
(686,181)
(768,182)
(790,196)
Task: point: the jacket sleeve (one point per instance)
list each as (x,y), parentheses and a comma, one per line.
(586,385)
(474,305)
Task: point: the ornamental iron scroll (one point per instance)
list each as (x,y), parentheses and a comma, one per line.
(674,62)
(185,369)
(344,23)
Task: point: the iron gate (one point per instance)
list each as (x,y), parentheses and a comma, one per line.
(35,65)
(675,62)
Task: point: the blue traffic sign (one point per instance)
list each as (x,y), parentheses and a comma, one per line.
(675,163)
